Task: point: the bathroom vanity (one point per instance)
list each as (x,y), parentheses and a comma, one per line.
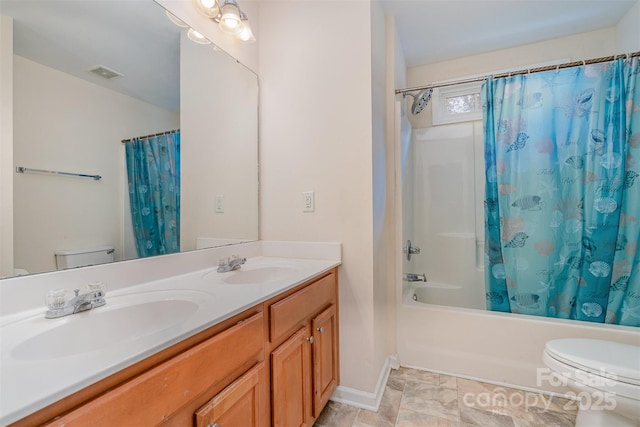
(270,357)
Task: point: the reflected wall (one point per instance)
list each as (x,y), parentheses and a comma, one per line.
(58,116)
(219,181)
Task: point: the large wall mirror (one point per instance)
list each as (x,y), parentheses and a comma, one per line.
(67,118)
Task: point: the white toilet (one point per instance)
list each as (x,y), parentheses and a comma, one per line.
(84,257)
(603,375)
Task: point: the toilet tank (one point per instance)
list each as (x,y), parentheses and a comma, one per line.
(84,257)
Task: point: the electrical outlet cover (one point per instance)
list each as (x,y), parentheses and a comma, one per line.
(308,201)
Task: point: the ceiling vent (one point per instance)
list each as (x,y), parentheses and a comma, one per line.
(104,72)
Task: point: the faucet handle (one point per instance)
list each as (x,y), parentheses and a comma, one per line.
(97,286)
(56,299)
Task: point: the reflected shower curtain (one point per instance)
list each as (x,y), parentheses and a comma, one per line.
(153,173)
(562,207)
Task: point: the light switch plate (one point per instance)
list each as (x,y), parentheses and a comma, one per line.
(219,203)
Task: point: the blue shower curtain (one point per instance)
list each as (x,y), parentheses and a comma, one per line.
(562,206)
(153,173)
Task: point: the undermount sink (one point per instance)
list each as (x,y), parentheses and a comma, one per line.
(259,275)
(123,318)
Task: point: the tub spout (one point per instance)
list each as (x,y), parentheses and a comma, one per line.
(412,277)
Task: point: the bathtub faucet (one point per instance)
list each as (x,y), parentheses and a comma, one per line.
(410,250)
(412,277)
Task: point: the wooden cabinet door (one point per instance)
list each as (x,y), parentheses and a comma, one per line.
(291,381)
(241,404)
(325,357)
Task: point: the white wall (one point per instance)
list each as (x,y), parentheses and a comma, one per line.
(6,146)
(384,276)
(395,75)
(629,31)
(219,153)
(316,134)
(67,124)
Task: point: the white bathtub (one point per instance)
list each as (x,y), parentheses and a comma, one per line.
(501,348)
(444,294)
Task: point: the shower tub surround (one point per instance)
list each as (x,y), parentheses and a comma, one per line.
(31,381)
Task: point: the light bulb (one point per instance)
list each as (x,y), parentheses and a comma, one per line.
(246,35)
(230,18)
(208,8)
(197,37)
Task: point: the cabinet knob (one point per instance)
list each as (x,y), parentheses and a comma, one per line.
(310,339)
(320,329)
(213,425)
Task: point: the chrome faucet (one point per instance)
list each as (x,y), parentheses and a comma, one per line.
(230,263)
(410,250)
(412,277)
(80,302)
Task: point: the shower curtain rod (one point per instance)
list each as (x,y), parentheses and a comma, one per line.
(150,135)
(524,71)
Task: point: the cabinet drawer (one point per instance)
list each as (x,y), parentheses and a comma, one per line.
(240,404)
(153,396)
(287,315)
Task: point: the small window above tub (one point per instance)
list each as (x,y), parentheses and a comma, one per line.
(459,103)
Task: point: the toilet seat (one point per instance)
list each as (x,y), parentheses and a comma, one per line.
(599,357)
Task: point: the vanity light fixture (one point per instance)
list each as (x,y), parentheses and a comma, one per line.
(230,18)
(195,36)
(177,21)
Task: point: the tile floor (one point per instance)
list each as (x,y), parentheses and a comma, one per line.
(415,398)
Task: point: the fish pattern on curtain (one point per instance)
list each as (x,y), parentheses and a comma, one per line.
(562,206)
(153,174)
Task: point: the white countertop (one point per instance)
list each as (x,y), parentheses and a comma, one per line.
(31,380)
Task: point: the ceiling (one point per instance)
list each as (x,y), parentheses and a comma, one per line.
(133,38)
(438,30)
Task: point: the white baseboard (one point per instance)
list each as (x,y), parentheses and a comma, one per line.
(367,400)
(394,361)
